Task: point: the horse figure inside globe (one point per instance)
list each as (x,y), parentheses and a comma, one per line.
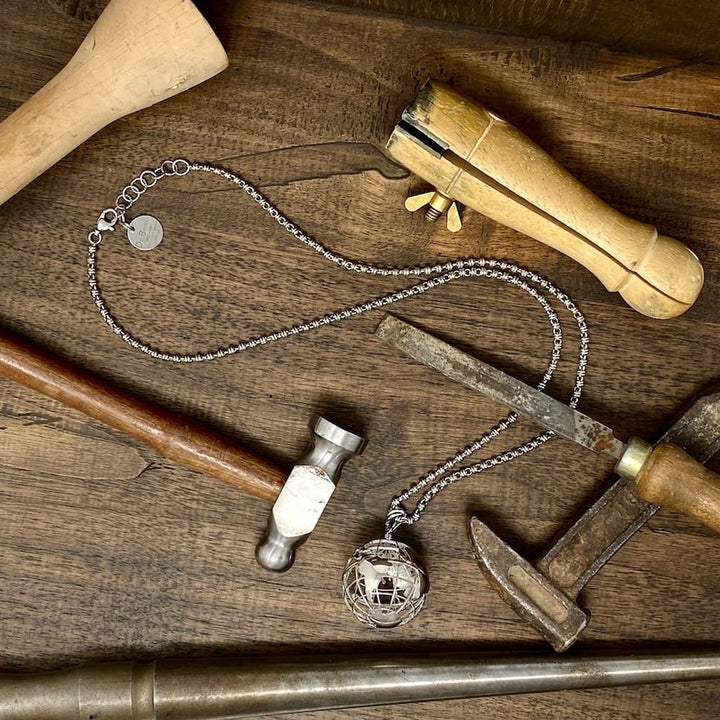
(384,584)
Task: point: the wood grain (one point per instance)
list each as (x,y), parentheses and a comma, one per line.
(31,446)
(659,26)
(162,564)
(663,26)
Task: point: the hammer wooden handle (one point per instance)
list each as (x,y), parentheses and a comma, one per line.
(138,53)
(173,435)
(492,167)
(670,477)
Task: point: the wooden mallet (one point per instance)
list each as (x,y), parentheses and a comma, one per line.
(138,53)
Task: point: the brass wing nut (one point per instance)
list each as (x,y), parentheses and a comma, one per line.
(436,204)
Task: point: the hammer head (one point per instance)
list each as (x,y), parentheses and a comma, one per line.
(531,594)
(306,493)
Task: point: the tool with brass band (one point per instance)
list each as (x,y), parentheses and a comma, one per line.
(474,157)
(137,54)
(664,475)
(545,595)
(299,501)
(200,689)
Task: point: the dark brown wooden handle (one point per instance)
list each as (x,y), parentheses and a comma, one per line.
(670,477)
(173,435)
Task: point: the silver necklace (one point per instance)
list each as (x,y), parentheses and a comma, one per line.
(384,583)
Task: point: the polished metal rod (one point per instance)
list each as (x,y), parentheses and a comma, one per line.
(250,687)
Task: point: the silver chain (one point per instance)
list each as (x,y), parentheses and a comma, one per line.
(531,283)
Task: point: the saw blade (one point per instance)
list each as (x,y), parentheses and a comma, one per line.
(505,389)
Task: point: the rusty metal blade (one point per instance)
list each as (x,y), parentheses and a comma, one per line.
(477,375)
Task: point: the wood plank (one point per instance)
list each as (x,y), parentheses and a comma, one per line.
(162,563)
(653,26)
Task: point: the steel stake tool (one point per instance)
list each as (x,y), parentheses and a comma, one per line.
(228,689)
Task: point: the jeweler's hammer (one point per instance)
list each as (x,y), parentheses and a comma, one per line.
(299,498)
(545,594)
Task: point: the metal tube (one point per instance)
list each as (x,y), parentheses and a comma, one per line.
(201,689)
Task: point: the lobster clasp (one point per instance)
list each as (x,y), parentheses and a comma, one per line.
(108,220)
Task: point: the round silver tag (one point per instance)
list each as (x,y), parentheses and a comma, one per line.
(145,232)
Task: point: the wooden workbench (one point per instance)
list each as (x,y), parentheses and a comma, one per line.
(109,552)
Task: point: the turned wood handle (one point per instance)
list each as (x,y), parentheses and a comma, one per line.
(138,53)
(491,167)
(173,435)
(670,477)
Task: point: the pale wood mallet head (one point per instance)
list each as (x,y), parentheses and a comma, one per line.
(138,53)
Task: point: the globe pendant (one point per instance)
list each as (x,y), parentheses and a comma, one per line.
(384,584)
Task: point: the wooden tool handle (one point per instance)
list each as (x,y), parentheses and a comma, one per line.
(175,436)
(656,275)
(138,53)
(670,477)
(492,167)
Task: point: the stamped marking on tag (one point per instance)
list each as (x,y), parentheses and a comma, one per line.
(145,232)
